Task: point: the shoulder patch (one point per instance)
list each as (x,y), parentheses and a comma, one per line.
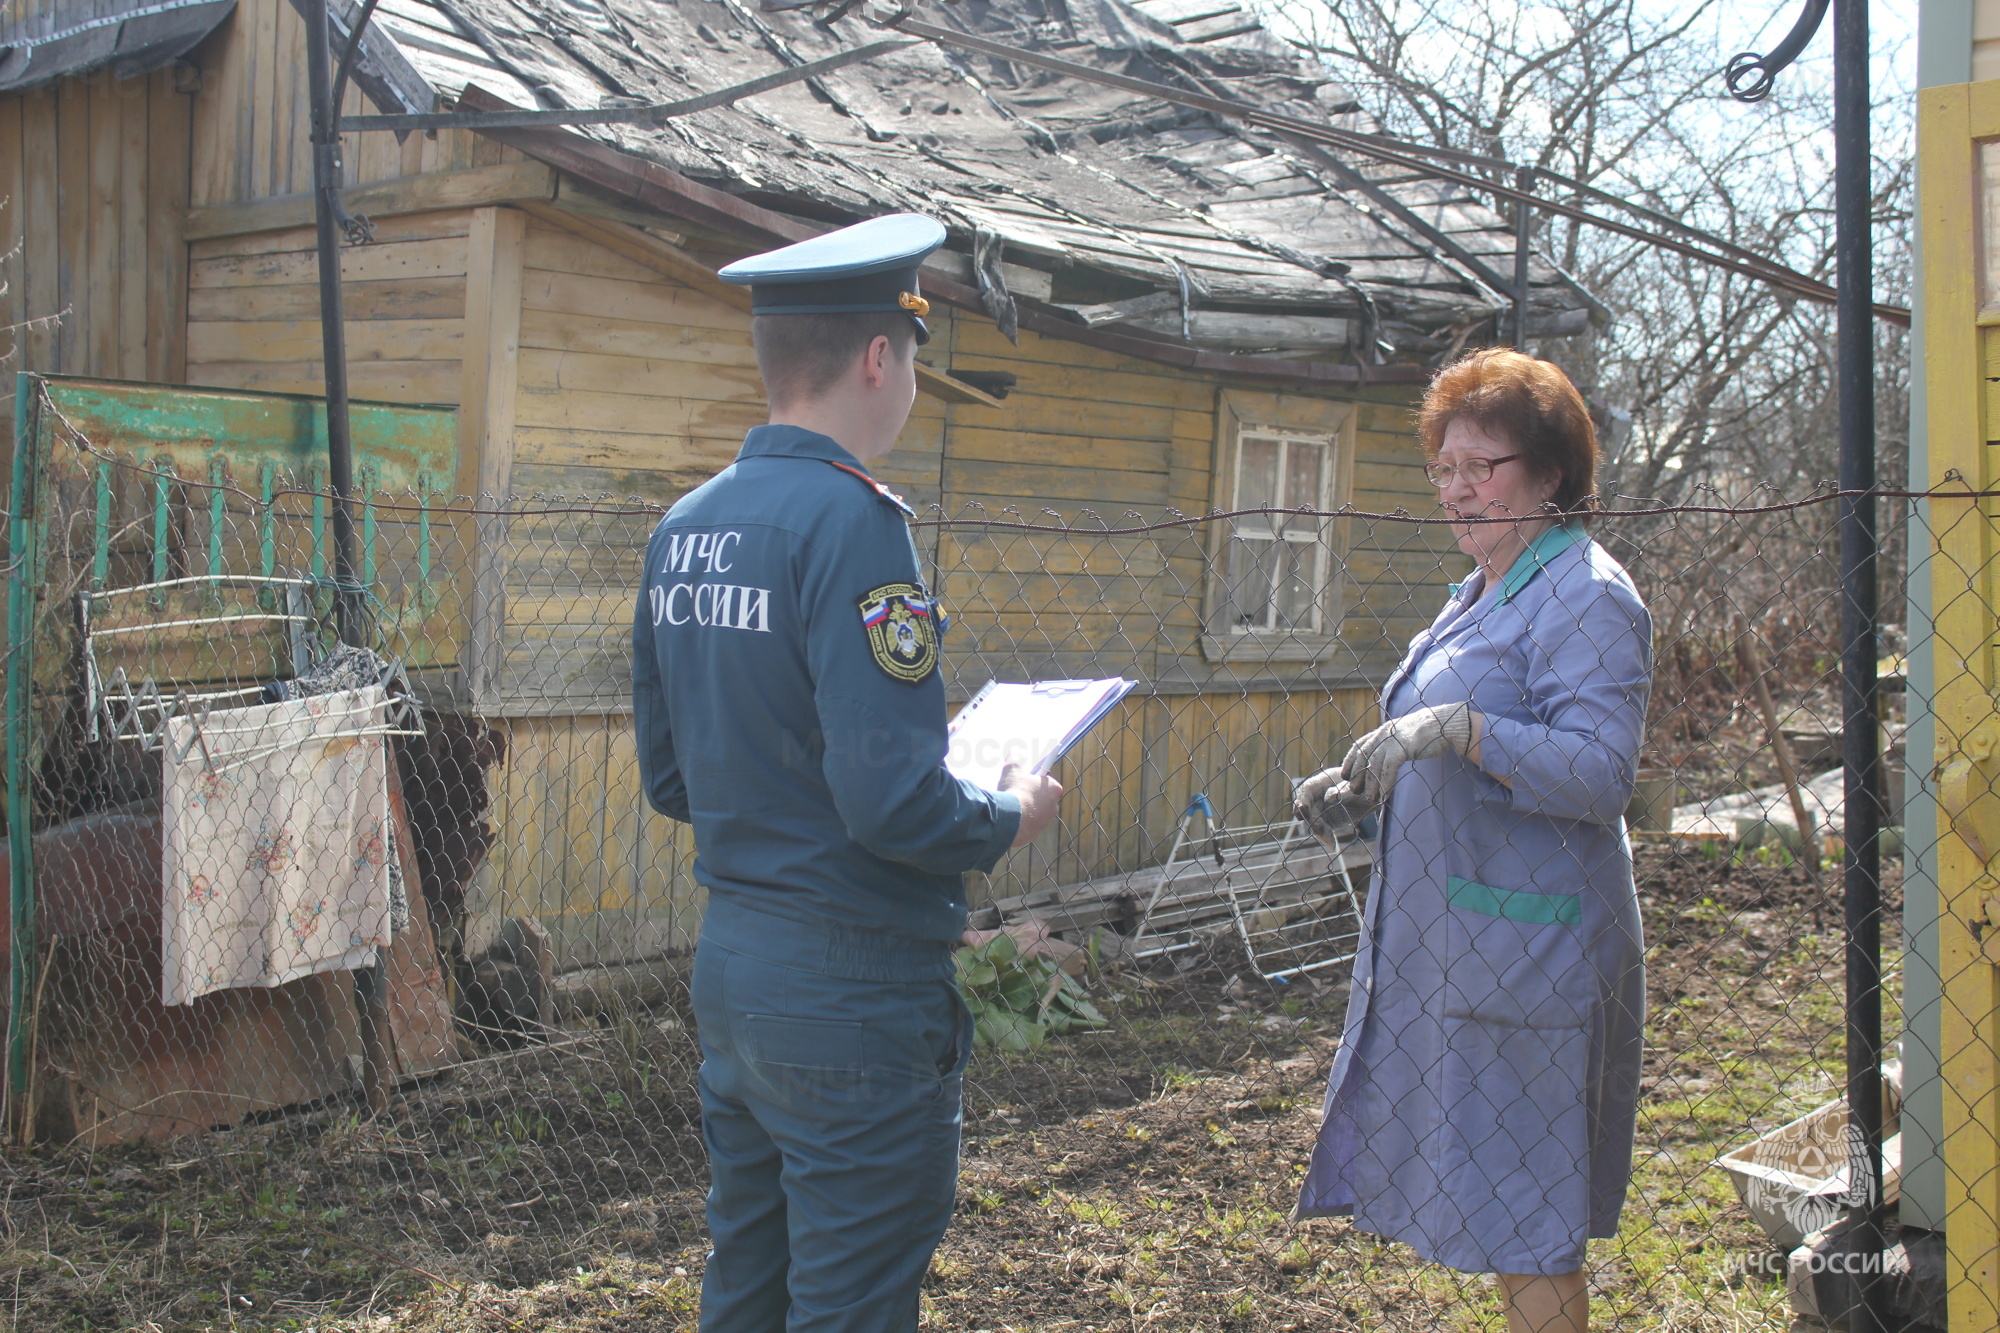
(901,623)
(875,486)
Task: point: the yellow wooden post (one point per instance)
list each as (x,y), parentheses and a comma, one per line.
(1965,590)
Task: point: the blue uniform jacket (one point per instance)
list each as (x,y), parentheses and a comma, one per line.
(787,703)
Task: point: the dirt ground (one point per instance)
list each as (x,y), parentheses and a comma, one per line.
(1138,1177)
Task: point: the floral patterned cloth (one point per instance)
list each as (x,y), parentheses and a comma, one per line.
(351,667)
(276,841)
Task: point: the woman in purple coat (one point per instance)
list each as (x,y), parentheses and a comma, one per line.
(1481,1105)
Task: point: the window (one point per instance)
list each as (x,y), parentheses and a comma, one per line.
(1275,578)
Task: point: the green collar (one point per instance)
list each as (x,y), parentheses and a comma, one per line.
(1548,546)
(1545,548)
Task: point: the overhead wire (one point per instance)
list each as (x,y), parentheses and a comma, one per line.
(1426,160)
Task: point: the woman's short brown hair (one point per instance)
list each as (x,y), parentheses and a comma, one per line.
(1526,402)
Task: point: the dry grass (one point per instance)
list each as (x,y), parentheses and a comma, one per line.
(1137,1178)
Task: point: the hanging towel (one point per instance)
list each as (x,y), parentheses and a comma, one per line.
(275,843)
(348,666)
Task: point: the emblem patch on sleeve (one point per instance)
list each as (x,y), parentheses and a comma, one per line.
(901,622)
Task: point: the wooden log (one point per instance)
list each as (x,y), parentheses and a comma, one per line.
(593,992)
(1224,328)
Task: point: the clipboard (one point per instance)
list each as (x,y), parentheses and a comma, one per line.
(1032,724)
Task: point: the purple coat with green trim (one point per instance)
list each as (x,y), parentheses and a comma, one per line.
(1482,1102)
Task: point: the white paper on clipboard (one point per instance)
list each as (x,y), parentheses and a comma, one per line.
(1028,723)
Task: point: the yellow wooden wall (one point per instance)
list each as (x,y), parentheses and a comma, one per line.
(251,118)
(97,177)
(93,189)
(253,310)
(631,382)
(587,372)
(585,369)
(1962,368)
(613,880)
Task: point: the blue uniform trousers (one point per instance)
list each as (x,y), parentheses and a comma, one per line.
(831,1109)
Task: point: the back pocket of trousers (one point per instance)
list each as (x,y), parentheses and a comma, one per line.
(812,1059)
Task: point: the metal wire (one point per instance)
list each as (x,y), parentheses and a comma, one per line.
(541,1144)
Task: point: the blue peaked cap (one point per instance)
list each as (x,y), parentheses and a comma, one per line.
(870,267)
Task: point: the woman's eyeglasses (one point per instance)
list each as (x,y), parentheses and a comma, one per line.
(1474,470)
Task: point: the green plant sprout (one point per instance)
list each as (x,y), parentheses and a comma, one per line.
(1019,1001)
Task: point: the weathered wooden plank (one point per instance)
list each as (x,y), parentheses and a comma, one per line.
(636,414)
(412,227)
(442,258)
(608,298)
(289,114)
(472,187)
(980,552)
(494,251)
(374,156)
(556,249)
(585,610)
(393,298)
(1039,448)
(546,330)
(653,486)
(262,56)
(300,340)
(41,225)
(642,247)
(936,384)
(385,381)
(1033,412)
(1047,374)
(548,573)
(169,122)
(129,209)
(670,376)
(683,456)
(71,173)
(1052,608)
(580,849)
(1053,486)
(214,113)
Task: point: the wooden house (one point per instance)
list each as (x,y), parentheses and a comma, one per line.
(1197,310)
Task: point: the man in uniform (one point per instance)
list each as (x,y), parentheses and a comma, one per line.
(787,703)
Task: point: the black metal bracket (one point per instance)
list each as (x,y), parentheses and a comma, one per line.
(1750,76)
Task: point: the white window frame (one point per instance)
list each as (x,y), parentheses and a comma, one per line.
(1292,419)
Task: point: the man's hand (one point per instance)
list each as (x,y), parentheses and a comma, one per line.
(1038,795)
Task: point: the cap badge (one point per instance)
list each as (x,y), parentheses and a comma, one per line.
(913,303)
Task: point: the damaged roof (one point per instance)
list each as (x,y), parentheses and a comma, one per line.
(1108,206)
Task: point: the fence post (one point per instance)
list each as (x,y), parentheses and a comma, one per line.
(1855,355)
(22,582)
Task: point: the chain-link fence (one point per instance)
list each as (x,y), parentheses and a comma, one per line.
(405,1039)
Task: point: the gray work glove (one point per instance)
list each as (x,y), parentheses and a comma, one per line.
(1327,805)
(1327,801)
(1372,764)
